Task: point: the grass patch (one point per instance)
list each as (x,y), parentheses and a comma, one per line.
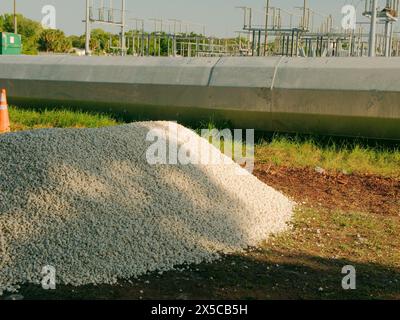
(336,234)
(331,153)
(23,119)
(348,156)
(324,241)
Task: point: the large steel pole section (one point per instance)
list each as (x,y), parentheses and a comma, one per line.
(15,17)
(87,42)
(123,40)
(372,32)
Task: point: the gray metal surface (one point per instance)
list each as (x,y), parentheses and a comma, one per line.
(341,96)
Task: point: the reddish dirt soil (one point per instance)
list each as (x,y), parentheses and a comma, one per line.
(365,193)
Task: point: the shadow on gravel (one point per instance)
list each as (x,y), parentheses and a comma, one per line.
(259,276)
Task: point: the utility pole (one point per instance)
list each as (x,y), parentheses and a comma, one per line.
(101,10)
(372,33)
(388,31)
(15,17)
(111,17)
(123,40)
(305,15)
(87,43)
(250,17)
(305,20)
(266,27)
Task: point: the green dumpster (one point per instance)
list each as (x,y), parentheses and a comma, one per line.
(10,43)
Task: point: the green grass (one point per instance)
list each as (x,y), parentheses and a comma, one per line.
(358,236)
(350,157)
(326,240)
(22,119)
(331,154)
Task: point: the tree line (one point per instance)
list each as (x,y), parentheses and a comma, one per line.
(37,39)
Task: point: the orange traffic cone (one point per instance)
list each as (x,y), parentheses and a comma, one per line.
(4,117)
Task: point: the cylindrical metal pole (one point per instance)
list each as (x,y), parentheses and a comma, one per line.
(304,15)
(287,45)
(174,45)
(123,40)
(372,33)
(133,44)
(101,10)
(387,39)
(250,17)
(155,44)
(148,45)
(391,40)
(142,44)
(111,13)
(15,17)
(297,42)
(389,30)
(292,44)
(253,42)
(266,28)
(87,42)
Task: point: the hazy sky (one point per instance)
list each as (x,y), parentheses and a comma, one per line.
(220,16)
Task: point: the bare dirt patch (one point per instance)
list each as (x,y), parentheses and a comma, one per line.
(354,192)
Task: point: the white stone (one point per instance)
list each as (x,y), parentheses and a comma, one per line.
(86,202)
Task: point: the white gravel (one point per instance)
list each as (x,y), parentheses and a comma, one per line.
(87,202)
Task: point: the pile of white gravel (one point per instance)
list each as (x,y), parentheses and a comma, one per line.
(87,202)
